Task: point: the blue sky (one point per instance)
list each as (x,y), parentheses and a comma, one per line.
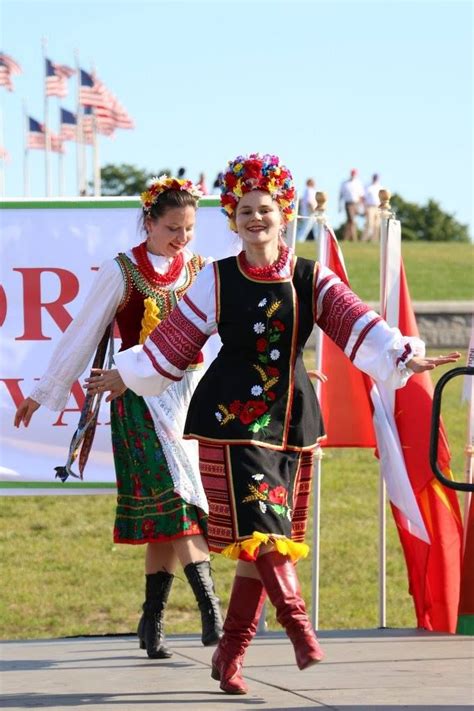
(380,86)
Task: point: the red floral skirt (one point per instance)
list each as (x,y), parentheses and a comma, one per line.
(255,494)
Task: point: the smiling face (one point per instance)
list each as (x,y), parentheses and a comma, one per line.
(258,218)
(169,234)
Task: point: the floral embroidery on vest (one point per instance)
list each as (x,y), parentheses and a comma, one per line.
(276,498)
(254,412)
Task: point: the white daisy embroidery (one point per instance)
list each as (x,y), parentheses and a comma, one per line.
(256,390)
(274,354)
(262,303)
(259,327)
(218,416)
(257,477)
(262,506)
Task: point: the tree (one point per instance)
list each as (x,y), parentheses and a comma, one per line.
(428,222)
(125,179)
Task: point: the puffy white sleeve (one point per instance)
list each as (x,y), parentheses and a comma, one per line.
(79,342)
(148,369)
(367,340)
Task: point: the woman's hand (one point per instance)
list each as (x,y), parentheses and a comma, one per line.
(25,412)
(419,364)
(317,375)
(105,381)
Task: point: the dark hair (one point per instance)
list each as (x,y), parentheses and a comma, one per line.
(168,200)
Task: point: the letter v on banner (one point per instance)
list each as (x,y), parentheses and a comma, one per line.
(431,536)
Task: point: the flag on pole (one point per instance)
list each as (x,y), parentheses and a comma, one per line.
(8,66)
(433,566)
(427,517)
(67,125)
(91,90)
(88,125)
(345,403)
(36,135)
(56,78)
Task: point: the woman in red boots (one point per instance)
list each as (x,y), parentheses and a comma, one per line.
(161,502)
(255,413)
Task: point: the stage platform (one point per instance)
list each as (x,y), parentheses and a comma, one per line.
(373,669)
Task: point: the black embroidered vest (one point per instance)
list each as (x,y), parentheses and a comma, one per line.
(257,390)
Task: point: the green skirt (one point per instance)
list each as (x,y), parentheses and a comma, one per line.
(148,508)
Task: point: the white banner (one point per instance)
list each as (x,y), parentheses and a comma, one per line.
(50,252)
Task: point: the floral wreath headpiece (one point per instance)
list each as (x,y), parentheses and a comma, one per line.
(258,172)
(161,185)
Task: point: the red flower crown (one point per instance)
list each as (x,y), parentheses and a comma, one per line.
(258,172)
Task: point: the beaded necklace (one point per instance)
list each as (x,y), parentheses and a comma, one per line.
(269,271)
(146,267)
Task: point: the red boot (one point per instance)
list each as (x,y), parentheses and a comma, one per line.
(240,626)
(279,577)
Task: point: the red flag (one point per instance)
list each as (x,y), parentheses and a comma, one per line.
(434,567)
(345,404)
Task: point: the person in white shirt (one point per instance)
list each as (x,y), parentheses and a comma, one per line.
(351,196)
(307,206)
(371,231)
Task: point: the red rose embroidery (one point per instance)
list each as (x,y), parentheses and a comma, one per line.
(278,325)
(278,495)
(272,372)
(251,410)
(271,395)
(262,344)
(235,407)
(263,488)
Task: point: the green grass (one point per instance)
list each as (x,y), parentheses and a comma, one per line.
(435,270)
(62,575)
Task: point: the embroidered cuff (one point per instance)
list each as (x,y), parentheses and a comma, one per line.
(405,350)
(51,393)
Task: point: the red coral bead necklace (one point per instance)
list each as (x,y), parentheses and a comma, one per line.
(146,267)
(269,271)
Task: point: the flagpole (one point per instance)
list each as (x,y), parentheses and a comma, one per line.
(389,311)
(320,215)
(26,177)
(79,136)
(47,146)
(97,186)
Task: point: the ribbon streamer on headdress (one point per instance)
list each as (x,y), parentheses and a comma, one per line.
(83,437)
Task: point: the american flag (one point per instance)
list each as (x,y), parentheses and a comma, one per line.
(56,143)
(8,66)
(91,90)
(88,126)
(36,137)
(56,78)
(68,125)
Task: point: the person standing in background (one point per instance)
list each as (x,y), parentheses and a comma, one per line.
(371,231)
(307,206)
(351,196)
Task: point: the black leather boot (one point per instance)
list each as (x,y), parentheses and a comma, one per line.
(150,628)
(200,578)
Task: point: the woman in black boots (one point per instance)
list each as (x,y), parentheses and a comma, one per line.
(161,501)
(255,413)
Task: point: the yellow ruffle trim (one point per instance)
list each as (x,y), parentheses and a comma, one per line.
(250,547)
(150,319)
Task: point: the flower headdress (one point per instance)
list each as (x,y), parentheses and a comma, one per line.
(161,185)
(258,172)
